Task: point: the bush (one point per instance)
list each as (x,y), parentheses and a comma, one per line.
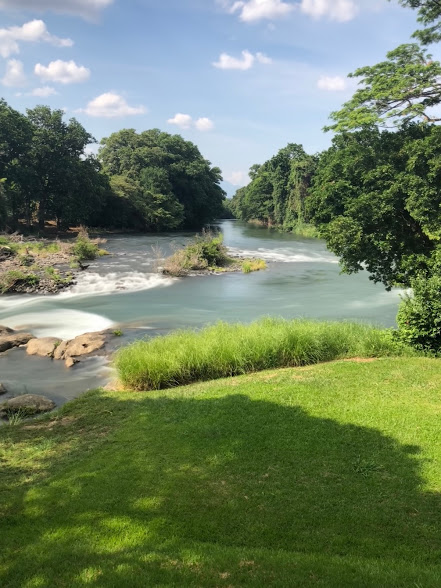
(9,280)
(253,265)
(419,315)
(84,248)
(205,252)
(226,349)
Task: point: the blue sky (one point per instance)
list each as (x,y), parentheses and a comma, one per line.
(240,79)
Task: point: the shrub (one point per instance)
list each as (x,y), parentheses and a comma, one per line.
(9,280)
(226,349)
(84,248)
(206,251)
(253,265)
(419,315)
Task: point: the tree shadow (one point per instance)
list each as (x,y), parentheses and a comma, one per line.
(211,475)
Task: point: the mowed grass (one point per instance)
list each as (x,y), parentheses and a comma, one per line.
(326,475)
(227,349)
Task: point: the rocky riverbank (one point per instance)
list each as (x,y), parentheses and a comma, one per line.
(31,266)
(71,352)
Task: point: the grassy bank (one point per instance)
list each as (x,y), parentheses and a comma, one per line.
(225,350)
(325,475)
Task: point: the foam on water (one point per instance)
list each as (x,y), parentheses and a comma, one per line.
(284,255)
(62,323)
(94,283)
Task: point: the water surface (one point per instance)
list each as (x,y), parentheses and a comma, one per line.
(125,291)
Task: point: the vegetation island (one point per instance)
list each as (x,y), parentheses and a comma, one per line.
(278,453)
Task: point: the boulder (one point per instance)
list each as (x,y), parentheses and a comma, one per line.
(81,345)
(2,389)
(28,404)
(11,340)
(70,362)
(5,330)
(43,347)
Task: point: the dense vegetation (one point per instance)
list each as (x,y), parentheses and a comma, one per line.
(325,475)
(276,195)
(227,350)
(207,252)
(150,181)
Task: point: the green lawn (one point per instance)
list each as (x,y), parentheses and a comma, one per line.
(326,475)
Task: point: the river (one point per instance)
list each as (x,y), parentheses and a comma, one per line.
(124,291)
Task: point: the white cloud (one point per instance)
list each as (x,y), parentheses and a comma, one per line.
(31,32)
(339,10)
(44,92)
(86,8)
(255,10)
(14,76)
(238,178)
(332,84)
(185,122)
(204,124)
(245,62)
(111,105)
(63,72)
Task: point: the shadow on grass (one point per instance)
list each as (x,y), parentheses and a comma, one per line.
(223,492)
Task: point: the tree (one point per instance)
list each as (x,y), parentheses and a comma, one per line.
(376,197)
(55,155)
(429,14)
(405,87)
(278,189)
(167,165)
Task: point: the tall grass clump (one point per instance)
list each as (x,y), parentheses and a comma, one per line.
(206,251)
(224,350)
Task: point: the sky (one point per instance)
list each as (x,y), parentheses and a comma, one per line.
(239,78)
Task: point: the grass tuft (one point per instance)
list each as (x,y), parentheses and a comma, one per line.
(226,350)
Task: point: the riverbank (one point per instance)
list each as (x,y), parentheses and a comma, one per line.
(331,474)
(42,266)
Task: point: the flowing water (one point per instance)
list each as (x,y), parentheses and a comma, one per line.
(124,291)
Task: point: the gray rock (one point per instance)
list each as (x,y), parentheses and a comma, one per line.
(2,389)
(28,404)
(14,340)
(43,347)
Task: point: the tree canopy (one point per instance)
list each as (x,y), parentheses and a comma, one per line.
(171,184)
(278,189)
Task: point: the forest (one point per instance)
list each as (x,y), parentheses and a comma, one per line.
(148,181)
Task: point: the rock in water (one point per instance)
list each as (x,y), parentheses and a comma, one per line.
(28,404)
(43,347)
(70,362)
(14,340)
(81,345)
(2,389)
(5,330)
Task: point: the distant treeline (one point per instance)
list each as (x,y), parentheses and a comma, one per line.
(278,191)
(149,181)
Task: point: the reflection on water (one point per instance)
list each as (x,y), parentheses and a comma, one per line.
(302,280)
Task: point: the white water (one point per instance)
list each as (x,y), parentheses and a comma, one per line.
(62,323)
(284,255)
(94,283)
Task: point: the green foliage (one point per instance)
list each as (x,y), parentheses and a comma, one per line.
(253,265)
(11,279)
(429,14)
(278,190)
(401,89)
(206,251)
(163,179)
(228,349)
(83,248)
(117,333)
(419,315)
(376,199)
